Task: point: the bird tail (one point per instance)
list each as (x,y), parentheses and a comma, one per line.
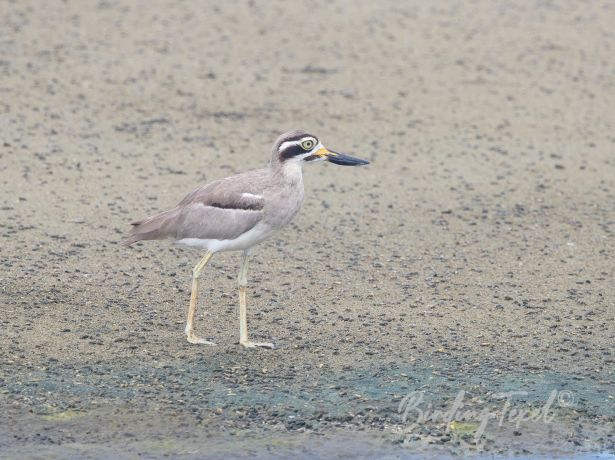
(155,227)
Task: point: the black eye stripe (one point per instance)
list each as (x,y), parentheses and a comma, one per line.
(292,151)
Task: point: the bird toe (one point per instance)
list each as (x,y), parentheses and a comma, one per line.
(250,344)
(198,340)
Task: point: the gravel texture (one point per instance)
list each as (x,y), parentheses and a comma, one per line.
(475,253)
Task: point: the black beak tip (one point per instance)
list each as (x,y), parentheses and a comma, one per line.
(346,160)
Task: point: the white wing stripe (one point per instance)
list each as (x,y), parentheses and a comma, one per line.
(251,195)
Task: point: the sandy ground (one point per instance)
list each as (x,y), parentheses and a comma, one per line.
(475,253)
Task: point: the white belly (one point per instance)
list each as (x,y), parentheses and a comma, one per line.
(259,233)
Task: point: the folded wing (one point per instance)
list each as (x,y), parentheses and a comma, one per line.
(222,210)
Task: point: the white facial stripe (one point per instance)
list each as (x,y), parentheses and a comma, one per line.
(285,145)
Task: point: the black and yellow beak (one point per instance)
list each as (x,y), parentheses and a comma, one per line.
(340,158)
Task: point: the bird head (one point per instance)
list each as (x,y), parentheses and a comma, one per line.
(302,147)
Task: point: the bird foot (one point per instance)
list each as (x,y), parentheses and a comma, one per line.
(250,344)
(194,339)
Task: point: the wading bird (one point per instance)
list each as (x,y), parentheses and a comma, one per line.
(238,212)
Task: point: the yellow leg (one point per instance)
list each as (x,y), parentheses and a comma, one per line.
(196,274)
(243,310)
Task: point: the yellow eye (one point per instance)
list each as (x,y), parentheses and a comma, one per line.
(307,145)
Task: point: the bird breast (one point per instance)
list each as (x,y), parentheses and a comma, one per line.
(283,202)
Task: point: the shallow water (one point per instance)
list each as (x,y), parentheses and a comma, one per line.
(130,409)
(339,447)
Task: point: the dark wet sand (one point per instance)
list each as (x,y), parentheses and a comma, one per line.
(475,253)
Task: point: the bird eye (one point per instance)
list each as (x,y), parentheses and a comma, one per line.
(307,145)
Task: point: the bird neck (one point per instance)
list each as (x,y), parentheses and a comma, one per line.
(289,171)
